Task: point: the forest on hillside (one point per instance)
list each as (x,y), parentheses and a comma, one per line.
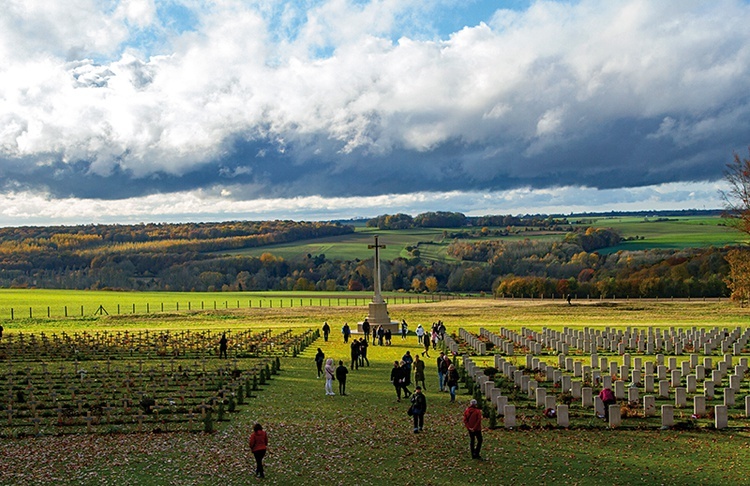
(188,257)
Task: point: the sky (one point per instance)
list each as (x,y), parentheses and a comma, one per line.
(194,110)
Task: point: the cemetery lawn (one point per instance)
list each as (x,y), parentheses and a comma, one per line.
(366,438)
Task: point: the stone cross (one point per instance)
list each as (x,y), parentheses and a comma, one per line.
(377,298)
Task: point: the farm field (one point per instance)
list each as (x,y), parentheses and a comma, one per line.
(668,233)
(365,437)
(671,233)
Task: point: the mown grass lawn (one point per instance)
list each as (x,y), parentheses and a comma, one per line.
(366,438)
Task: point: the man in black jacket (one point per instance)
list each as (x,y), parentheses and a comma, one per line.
(418,408)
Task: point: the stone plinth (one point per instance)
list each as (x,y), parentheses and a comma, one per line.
(378,316)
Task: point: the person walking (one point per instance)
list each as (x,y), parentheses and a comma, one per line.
(341,372)
(419,372)
(355,355)
(404,329)
(418,409)
(346,331)
(223,346)
(330,374)
(366,329)
(407,360)
(319,358)
(381,335)
(473,423)
(442,369)
(608,398)
(452,381)
(258,445)
(426,343)
(363,344)
(420,333)
(398,378)
(326,331)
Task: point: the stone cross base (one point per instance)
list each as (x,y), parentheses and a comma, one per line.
(378,316)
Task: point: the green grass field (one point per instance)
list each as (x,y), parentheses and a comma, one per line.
(365,438)
(674,233)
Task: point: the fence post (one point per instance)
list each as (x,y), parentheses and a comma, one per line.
(81,311)
(11,313)
(30,316)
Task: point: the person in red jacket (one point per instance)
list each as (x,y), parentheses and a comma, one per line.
(608,398)
(258,444)
(473,423)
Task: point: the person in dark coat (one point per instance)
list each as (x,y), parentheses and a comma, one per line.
(451,380)
(346,331)
(399,374)
(355,355)
(223,346)
(418,408)
(319,358)
(341,372)
(366,329)
(363,352)
(326,331)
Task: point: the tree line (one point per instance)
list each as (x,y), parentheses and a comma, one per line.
(188,257)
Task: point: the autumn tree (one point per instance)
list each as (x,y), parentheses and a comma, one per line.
(737,211)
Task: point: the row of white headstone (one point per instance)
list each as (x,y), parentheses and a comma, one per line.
(643,341)
(653,371)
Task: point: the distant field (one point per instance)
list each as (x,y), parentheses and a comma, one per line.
(674,233)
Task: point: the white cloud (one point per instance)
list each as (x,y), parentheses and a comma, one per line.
(522,99)
(221,204)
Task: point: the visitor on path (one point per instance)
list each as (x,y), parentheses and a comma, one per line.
(319,358)
(366,329)
(452,381)
(375,335)
(419,372)
(608,398)
(442,369)
(441,330)
(258,445)
(418,409)
(341,372)
(404,329)
(388,337)
(420,333)
(381,335)
(398,378)
(326,331)
(434,338)
(363,352)
(223,346)
(473,423)
(407,360)
(426,343)
(355,355)
(330,376)
(346,332)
